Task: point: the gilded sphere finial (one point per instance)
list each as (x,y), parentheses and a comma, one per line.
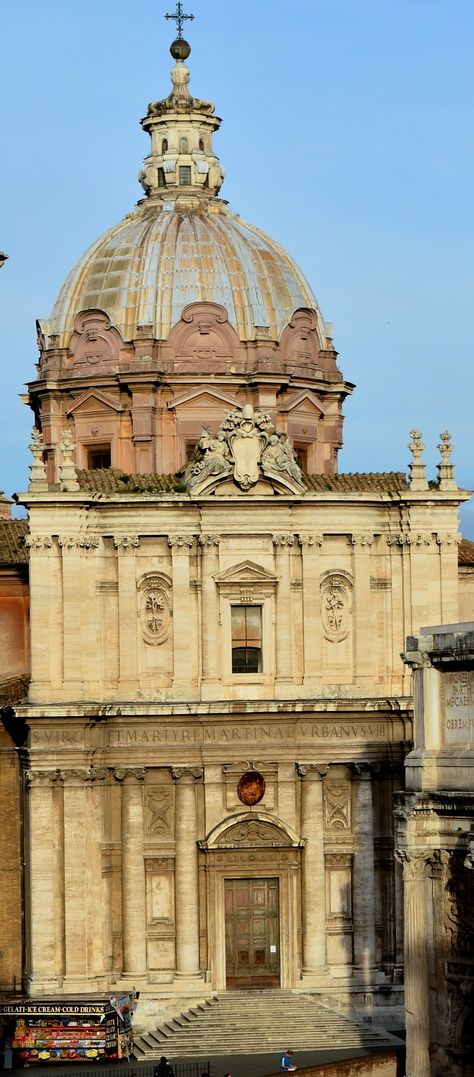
(180,49)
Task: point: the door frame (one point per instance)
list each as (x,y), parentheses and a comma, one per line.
(255,857)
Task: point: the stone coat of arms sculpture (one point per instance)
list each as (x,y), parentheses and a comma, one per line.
(246,449)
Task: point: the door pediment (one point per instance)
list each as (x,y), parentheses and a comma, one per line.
(246,573)
(253,830)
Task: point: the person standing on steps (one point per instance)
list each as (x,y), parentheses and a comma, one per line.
(287,1062)
(163,1068)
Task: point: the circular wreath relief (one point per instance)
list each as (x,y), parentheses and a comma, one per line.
(251,788)
(335,608)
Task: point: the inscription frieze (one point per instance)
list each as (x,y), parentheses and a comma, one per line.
(316,731)
(457,707)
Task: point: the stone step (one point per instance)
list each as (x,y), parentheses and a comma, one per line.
(252,1021)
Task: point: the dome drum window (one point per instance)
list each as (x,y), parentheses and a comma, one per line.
(185,177)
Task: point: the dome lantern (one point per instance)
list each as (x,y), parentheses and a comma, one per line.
(181,164)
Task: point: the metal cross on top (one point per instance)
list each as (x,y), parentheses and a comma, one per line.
(179,17)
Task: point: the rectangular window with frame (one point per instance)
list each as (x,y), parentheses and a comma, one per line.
(246,624)
(185,175)
(98,456)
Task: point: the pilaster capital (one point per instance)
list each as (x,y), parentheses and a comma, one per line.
(398,539)
(420,539)
(362,541)
(312,770)
(180,543)
(451,538)
(127,775)
(39,778)
(39,542)
(209,541)
(311,540)
(126,542)
(80,775)
(282,539)
(88,542)
(186,775)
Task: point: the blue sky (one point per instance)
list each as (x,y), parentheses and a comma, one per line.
(347,136)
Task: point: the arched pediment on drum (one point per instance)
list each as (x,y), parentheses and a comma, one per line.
(250,830)
(95,344)
(203,341)
(303,343)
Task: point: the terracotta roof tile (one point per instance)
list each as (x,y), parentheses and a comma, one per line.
(113,481)
(13,690)
(12,542)
(358,482)
(466,552)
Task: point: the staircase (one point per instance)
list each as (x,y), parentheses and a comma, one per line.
(256,1022)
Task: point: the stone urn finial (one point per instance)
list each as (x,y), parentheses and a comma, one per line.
(38,480)
(416,467)
(67,470)
(445,468)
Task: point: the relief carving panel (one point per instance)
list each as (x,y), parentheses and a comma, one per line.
(336,606)
(155,609)
(159,811)
(337,805)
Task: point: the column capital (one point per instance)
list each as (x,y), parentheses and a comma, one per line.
(186,774)
(364,769)
(310,540)
(415,864)
(129,774)
(181,543)
(312,770)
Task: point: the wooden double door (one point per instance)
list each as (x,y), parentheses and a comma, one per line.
(252,932)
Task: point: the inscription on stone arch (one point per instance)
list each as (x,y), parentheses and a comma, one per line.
(155,608)
(336,606)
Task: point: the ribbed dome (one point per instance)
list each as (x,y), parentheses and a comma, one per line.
(149,267)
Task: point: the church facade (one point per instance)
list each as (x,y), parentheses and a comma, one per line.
(218,711)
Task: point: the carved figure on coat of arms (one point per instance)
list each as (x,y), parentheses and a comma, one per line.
(279,455)
(211,458)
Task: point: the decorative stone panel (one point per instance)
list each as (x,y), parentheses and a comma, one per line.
(155,608)
(336,606)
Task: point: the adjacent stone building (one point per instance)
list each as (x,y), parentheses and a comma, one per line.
(435,844)
(218,712)
(14,669)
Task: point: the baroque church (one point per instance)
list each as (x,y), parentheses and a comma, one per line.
(217,713)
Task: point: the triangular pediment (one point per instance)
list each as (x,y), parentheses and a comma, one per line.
(202,393)
(307,402)
(93,400)
(247,572)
